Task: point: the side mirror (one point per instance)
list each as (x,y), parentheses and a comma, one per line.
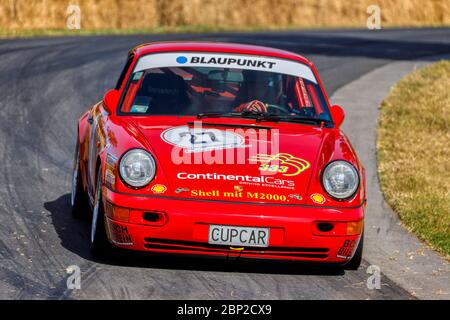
(111,100)
(338,115)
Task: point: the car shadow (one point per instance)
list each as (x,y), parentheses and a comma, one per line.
(74,234)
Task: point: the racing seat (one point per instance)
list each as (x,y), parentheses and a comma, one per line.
(167,93)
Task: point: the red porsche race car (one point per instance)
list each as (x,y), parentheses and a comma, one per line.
(220,149)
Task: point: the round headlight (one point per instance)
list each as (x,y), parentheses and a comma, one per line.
(340,179)
(137,168)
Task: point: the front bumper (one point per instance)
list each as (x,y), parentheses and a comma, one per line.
(294,233)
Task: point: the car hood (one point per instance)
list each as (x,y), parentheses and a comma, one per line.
(235,160)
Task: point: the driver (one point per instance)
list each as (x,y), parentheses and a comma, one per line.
(259,89)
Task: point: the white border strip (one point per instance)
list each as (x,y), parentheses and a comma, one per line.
(244,62)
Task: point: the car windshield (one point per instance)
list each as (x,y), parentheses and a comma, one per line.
(216,90)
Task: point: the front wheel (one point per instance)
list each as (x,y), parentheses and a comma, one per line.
(99,239)
(78,200)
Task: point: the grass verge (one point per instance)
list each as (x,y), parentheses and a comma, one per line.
(413,143)
(30,33)
(59,32)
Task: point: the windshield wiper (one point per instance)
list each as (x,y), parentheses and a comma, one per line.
(262,116)
(244,114)
(289,118)
(218,114)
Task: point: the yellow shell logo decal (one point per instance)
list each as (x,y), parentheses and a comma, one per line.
(159,188)
(284,163)
(318,198)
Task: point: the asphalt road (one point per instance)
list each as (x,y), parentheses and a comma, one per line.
(46,84)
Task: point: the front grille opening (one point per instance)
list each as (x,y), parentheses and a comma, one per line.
(200,247)
(325,226)
(152,216)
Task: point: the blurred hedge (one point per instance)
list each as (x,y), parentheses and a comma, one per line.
(223,14)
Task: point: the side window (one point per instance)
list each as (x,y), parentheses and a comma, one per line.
(124,71)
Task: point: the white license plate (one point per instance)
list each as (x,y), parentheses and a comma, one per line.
(238,236)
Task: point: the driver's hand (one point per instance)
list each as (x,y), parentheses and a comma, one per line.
(252,106)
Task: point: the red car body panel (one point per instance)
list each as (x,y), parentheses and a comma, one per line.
(291,213)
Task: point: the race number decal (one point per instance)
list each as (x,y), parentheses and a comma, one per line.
(201,139)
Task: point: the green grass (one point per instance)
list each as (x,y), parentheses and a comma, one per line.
(28,33)
(414,153)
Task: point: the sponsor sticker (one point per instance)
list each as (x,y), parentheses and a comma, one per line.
(139,108)
(229,61)
(181,189)
(318,198)
(295,196)
(159,188)
(346,250)
(283,163)
(110,171)
(234,61)
(110,179)
(239,195)
(260,181)
(119,234)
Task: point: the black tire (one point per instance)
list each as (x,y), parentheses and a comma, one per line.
(99,240)
(357,257)
(78,199)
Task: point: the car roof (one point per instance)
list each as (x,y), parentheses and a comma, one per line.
(223,47)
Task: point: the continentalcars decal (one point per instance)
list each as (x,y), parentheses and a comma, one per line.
(262,181)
